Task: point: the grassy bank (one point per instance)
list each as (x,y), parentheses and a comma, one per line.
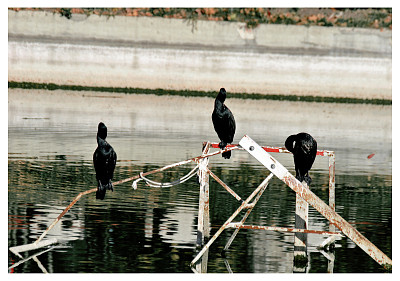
(187,93)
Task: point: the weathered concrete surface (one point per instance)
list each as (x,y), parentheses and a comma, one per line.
(168,53)
(154,30)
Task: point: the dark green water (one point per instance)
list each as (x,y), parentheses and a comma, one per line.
(154,230)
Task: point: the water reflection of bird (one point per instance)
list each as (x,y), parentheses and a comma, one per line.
(104,160)
(224,122)
(304,149)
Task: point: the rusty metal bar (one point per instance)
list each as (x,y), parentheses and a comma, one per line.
(194,159)
(301,221)
(238,225)
(203,226)
(277,149)
(63,213)
(283,174)
(224,185)
(203,230)
(250,207)
(222,228)
(332,186)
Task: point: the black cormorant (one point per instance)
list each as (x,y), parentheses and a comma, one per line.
(104,160)
(304,149)
(223,121)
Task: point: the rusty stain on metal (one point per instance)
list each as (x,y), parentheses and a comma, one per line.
(194,159)
(249,207)
(241,207)
(224,185)
(332,186)
(277,149)
(63,212)
(325,210)
(283,229)
(203,230)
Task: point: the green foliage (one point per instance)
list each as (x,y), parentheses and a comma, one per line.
(187,93)
(66,13)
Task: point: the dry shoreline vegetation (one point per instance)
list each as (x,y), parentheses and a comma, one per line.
(377,18)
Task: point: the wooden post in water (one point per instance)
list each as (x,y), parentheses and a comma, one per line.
(203,221)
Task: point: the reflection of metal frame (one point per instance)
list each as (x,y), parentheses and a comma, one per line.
(35,257)
(277,169)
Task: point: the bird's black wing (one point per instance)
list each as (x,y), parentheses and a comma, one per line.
(231,125)
(309,149)
(218,122)
(96,161)
(113,162)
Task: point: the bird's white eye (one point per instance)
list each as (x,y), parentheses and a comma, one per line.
(294,143)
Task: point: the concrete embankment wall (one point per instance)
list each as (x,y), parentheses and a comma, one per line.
(149,52)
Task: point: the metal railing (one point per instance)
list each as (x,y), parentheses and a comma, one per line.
(304,196)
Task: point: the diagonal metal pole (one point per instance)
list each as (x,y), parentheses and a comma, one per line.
(203,230)
(225,225)
(283,174)
(228,244)
(217,179)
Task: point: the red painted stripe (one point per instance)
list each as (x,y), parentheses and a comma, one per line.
(271,149)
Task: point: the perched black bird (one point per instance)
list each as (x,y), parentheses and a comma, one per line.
(104,160)
(304,149)
(224,123)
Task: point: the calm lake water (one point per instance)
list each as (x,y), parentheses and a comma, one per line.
(52,136)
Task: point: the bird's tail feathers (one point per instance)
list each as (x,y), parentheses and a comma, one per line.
(227,154)
(101,191)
